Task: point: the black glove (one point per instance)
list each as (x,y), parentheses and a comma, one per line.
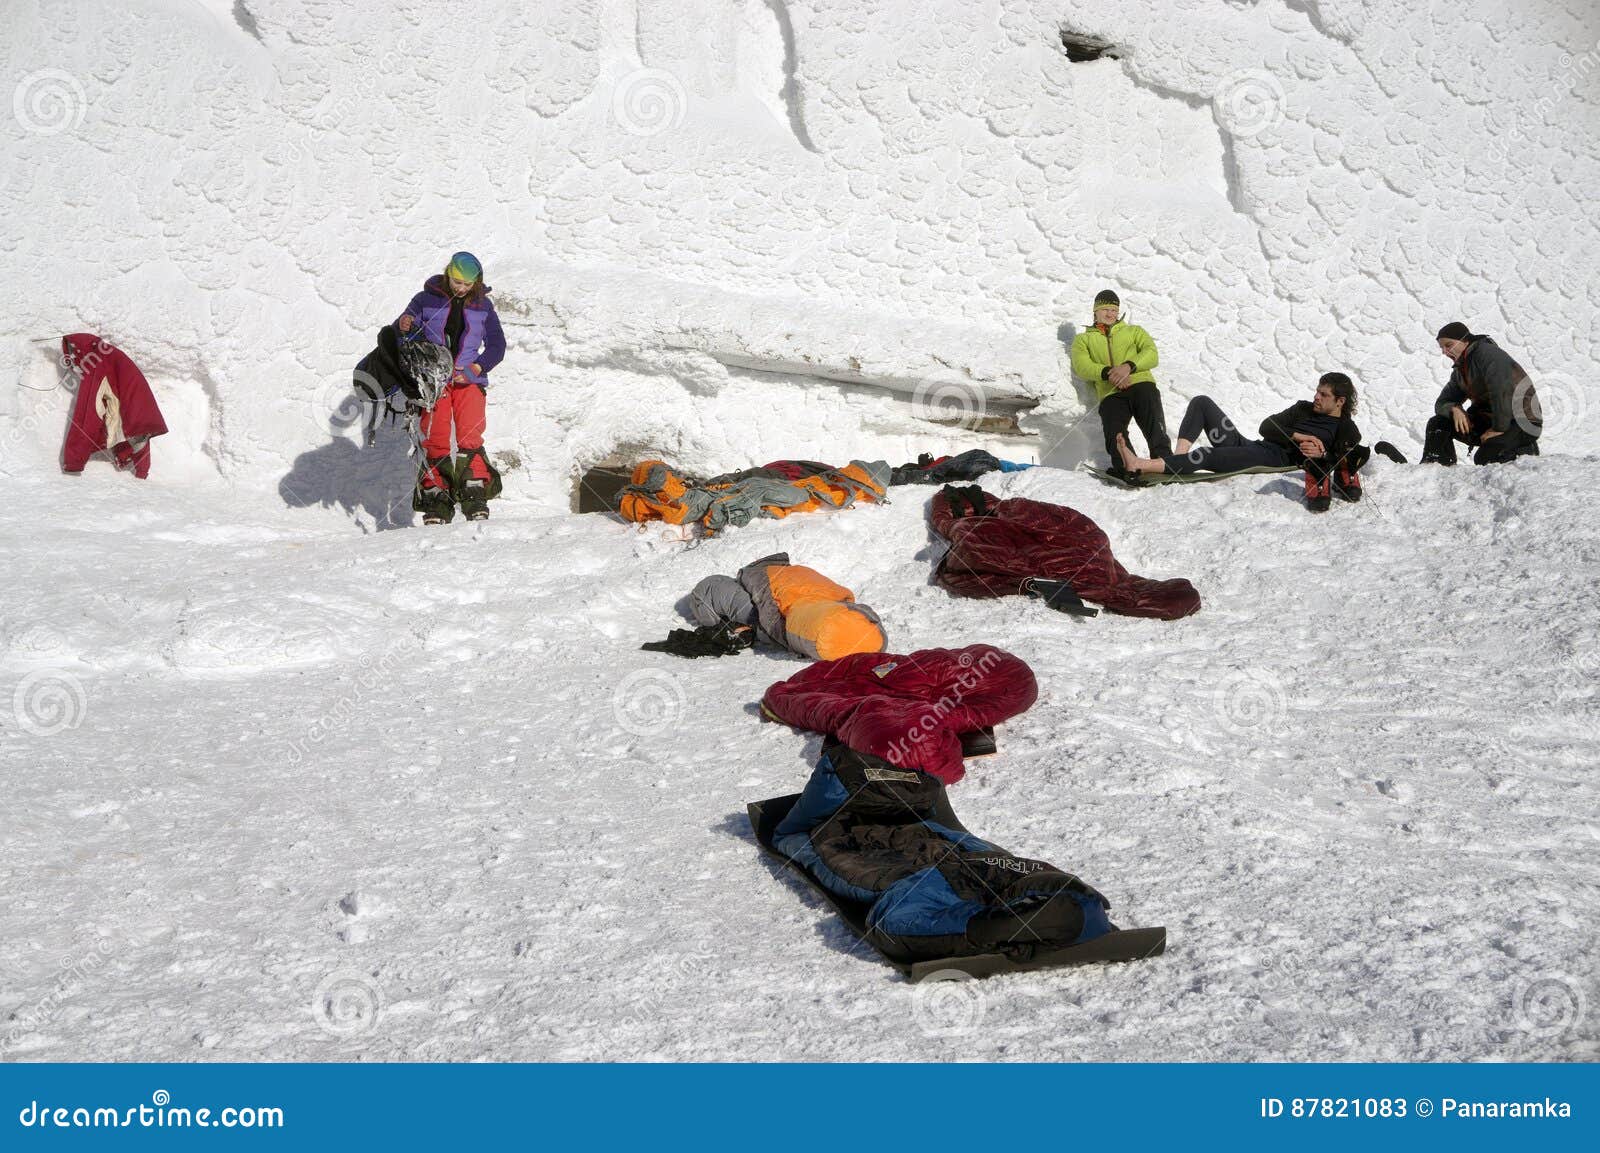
(706,641)
(1384,448)
(1057,594)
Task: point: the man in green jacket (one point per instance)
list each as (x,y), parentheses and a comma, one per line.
(1116,359)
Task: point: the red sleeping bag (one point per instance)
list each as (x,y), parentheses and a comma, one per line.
(991,555)
(910,710)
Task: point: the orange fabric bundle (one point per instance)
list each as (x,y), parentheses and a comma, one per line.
(654,495)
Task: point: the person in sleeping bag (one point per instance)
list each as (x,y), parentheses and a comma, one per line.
(1318,435)
(454,310)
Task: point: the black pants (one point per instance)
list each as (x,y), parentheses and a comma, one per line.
(1140,403)
(1228,451)
(1439,442)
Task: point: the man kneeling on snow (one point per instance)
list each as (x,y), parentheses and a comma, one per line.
(1317,435)
(1488,403)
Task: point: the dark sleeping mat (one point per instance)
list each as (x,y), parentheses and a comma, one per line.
(1118,945)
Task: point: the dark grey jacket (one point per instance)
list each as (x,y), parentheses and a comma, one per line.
(1492,381)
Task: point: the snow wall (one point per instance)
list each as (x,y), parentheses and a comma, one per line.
(733,230)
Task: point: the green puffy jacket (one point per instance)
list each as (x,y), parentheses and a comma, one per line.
(1130,344)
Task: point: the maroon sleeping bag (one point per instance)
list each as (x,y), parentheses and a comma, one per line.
(990,556)
(910,710)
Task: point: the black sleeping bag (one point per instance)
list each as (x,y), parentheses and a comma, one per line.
(885,838)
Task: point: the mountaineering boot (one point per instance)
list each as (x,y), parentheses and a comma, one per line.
(435,505)
(432,495)
(1319,491)
(1347,483)
(474,501)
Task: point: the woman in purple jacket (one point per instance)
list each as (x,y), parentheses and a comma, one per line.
(454,310)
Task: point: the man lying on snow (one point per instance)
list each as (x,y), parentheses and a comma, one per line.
(1318,435)
(1489,403)
(781,604)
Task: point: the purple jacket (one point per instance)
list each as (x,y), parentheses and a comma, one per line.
(482,342)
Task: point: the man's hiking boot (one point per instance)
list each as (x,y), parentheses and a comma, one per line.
(1319,492)
(1347,484)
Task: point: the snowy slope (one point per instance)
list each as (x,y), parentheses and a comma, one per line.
(260,756)
(268,763)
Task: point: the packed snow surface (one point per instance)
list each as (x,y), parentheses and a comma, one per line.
(282,785)
(289,791)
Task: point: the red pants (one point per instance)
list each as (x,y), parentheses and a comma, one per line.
(462,404)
